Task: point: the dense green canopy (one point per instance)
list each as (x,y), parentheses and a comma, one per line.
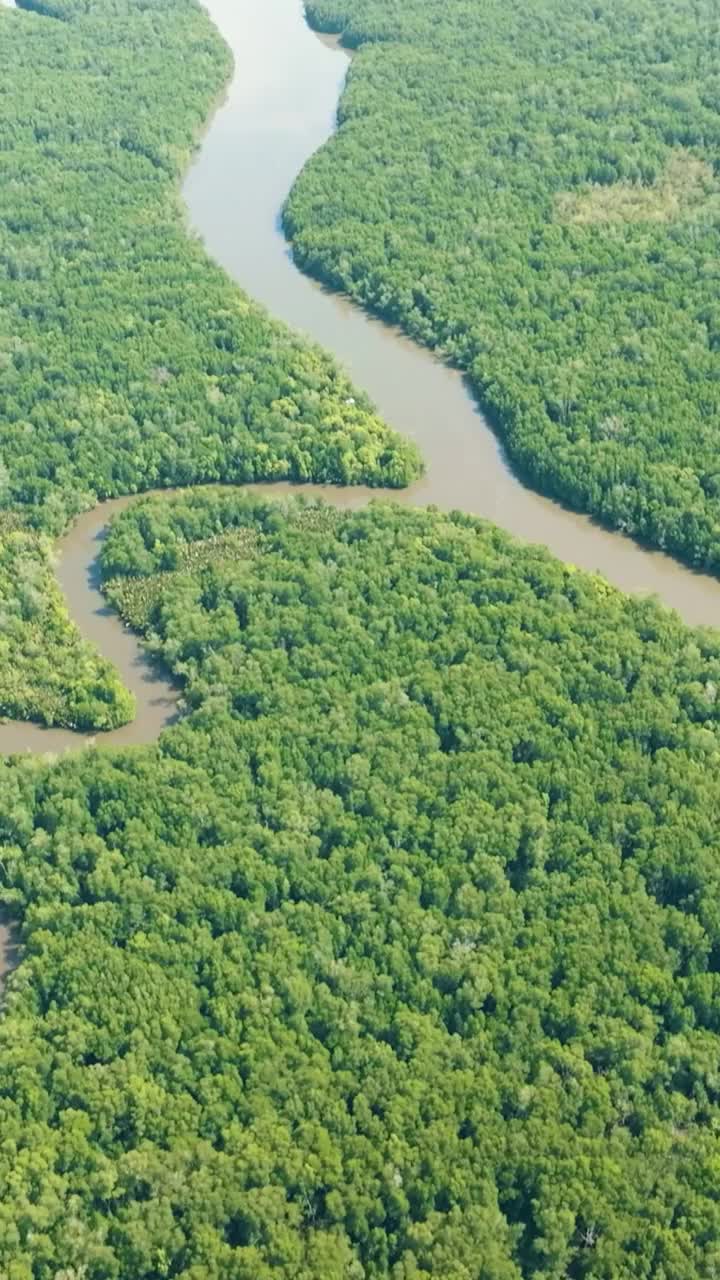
(127,359)
(47,671)
(532,188)
(130,360)
(399,955)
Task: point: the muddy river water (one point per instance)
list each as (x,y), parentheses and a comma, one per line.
(280,107)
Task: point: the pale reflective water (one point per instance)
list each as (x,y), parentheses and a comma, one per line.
(279,109)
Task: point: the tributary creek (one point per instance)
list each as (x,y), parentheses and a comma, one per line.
(280,107)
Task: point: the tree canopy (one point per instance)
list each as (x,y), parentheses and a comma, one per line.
(130,360)
(532,190)
(127,359)
(398,956)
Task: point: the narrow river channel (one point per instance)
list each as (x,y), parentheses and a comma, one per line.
(279,109)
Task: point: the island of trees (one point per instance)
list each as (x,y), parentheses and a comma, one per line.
(532,189)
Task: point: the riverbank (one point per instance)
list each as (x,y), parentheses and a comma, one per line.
(279,108)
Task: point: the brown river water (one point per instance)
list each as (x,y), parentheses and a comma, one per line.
(279,109)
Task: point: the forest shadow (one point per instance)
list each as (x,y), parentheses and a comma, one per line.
(10,946)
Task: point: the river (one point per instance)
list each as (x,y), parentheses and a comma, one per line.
(280,107)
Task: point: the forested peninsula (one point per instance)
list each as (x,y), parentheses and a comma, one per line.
(532,190)
(398,956)
(47,671)
(127,359)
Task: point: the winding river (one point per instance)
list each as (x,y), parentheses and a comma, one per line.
(278,110)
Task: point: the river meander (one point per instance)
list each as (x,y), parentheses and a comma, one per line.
(280,107)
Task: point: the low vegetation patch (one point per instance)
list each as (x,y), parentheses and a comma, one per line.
(687,187)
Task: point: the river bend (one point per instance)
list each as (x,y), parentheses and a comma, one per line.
(280,107)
